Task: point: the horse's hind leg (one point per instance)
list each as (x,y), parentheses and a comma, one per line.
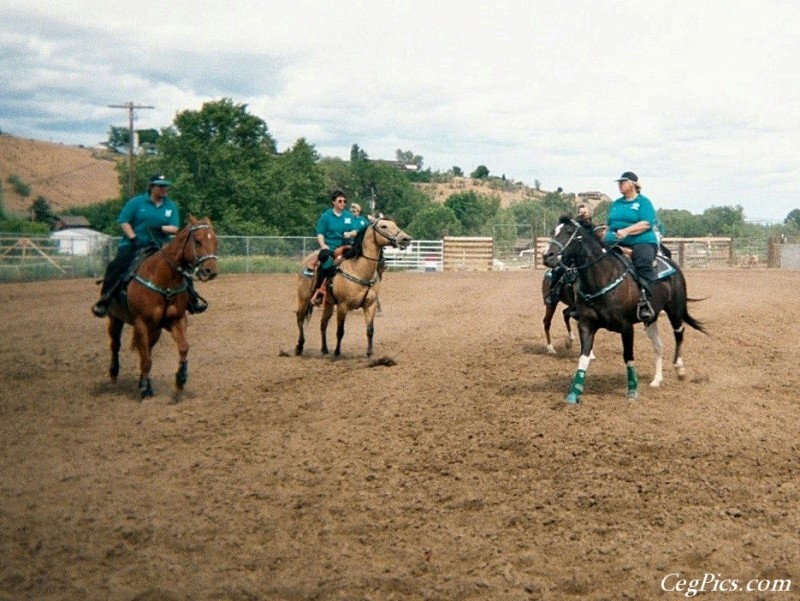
(658,348)
(115,333)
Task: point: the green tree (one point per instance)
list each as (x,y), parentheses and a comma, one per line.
(295,191)
(406,157)
(792,219)
(473,210)
(219,159)
(433,223)
(457,171)
(41,211)
(481,172)
(680,223)
(724,221)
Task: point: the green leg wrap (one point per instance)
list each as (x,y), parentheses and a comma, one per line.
(633,383)
(573,397)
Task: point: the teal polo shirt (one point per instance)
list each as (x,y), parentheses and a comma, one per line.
(624,213)
(142,213)
(333,227)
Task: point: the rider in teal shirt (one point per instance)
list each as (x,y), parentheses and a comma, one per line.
(631,222)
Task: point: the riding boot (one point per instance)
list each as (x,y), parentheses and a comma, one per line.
(644,311)
(100,308)
(321,292)
(196,303)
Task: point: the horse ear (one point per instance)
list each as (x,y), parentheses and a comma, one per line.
(192,219)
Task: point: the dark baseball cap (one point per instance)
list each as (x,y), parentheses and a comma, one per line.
(159,180)
(628,176)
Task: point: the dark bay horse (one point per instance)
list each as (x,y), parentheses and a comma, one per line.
(607,297)
(355,285)
(156,300)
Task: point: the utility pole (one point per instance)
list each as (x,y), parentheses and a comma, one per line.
(131,107)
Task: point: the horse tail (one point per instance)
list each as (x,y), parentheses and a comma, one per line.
(309,311)
(697,325)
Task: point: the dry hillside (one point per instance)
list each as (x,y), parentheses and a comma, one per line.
(72,176)
(67,176)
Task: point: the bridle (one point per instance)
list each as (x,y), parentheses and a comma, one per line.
(376,232)
(196,262)
(577,235)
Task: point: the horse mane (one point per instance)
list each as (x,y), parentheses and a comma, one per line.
(358,241)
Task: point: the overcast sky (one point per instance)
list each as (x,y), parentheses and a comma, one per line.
(700,98)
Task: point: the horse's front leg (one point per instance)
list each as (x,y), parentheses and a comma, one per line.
(178,332)
(143,339)
(587,332)
(369,320)
(658,348)
(115,333)
(341,316)
(327,312)
(547,322)
(570,338)
(627,355)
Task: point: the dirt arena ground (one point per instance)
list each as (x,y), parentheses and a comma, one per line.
(458,473)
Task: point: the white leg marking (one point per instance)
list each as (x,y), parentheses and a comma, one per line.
(551,350)
(583,362)
(658,349)
(680,370)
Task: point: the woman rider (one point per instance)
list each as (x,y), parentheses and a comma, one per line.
(632,222)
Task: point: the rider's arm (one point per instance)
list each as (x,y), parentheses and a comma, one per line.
(127,229)
(637,228)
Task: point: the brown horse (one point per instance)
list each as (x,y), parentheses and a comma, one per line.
(157,298)
(566,295)
(354,286)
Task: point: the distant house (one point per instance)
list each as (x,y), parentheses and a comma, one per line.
(81,241)
(64,222)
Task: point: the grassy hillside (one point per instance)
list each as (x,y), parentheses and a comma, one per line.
(67,176)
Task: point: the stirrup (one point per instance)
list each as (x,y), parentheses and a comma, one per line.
(645,312)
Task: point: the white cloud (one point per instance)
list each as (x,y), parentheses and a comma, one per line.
(697,96)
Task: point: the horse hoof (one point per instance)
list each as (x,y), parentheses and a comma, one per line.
(633,395)
(551,350)
(572,399)
(298,350)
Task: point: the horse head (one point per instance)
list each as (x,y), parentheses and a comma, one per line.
(389,234)
(200,248)
(572,243)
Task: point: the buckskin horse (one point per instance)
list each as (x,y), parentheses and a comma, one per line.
(355,284)
(155,299)
(607,297)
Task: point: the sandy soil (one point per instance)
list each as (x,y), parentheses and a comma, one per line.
(456,473)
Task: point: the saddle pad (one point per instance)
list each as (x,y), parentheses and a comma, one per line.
(663,268)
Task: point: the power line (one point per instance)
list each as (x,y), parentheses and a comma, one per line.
(131,107)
